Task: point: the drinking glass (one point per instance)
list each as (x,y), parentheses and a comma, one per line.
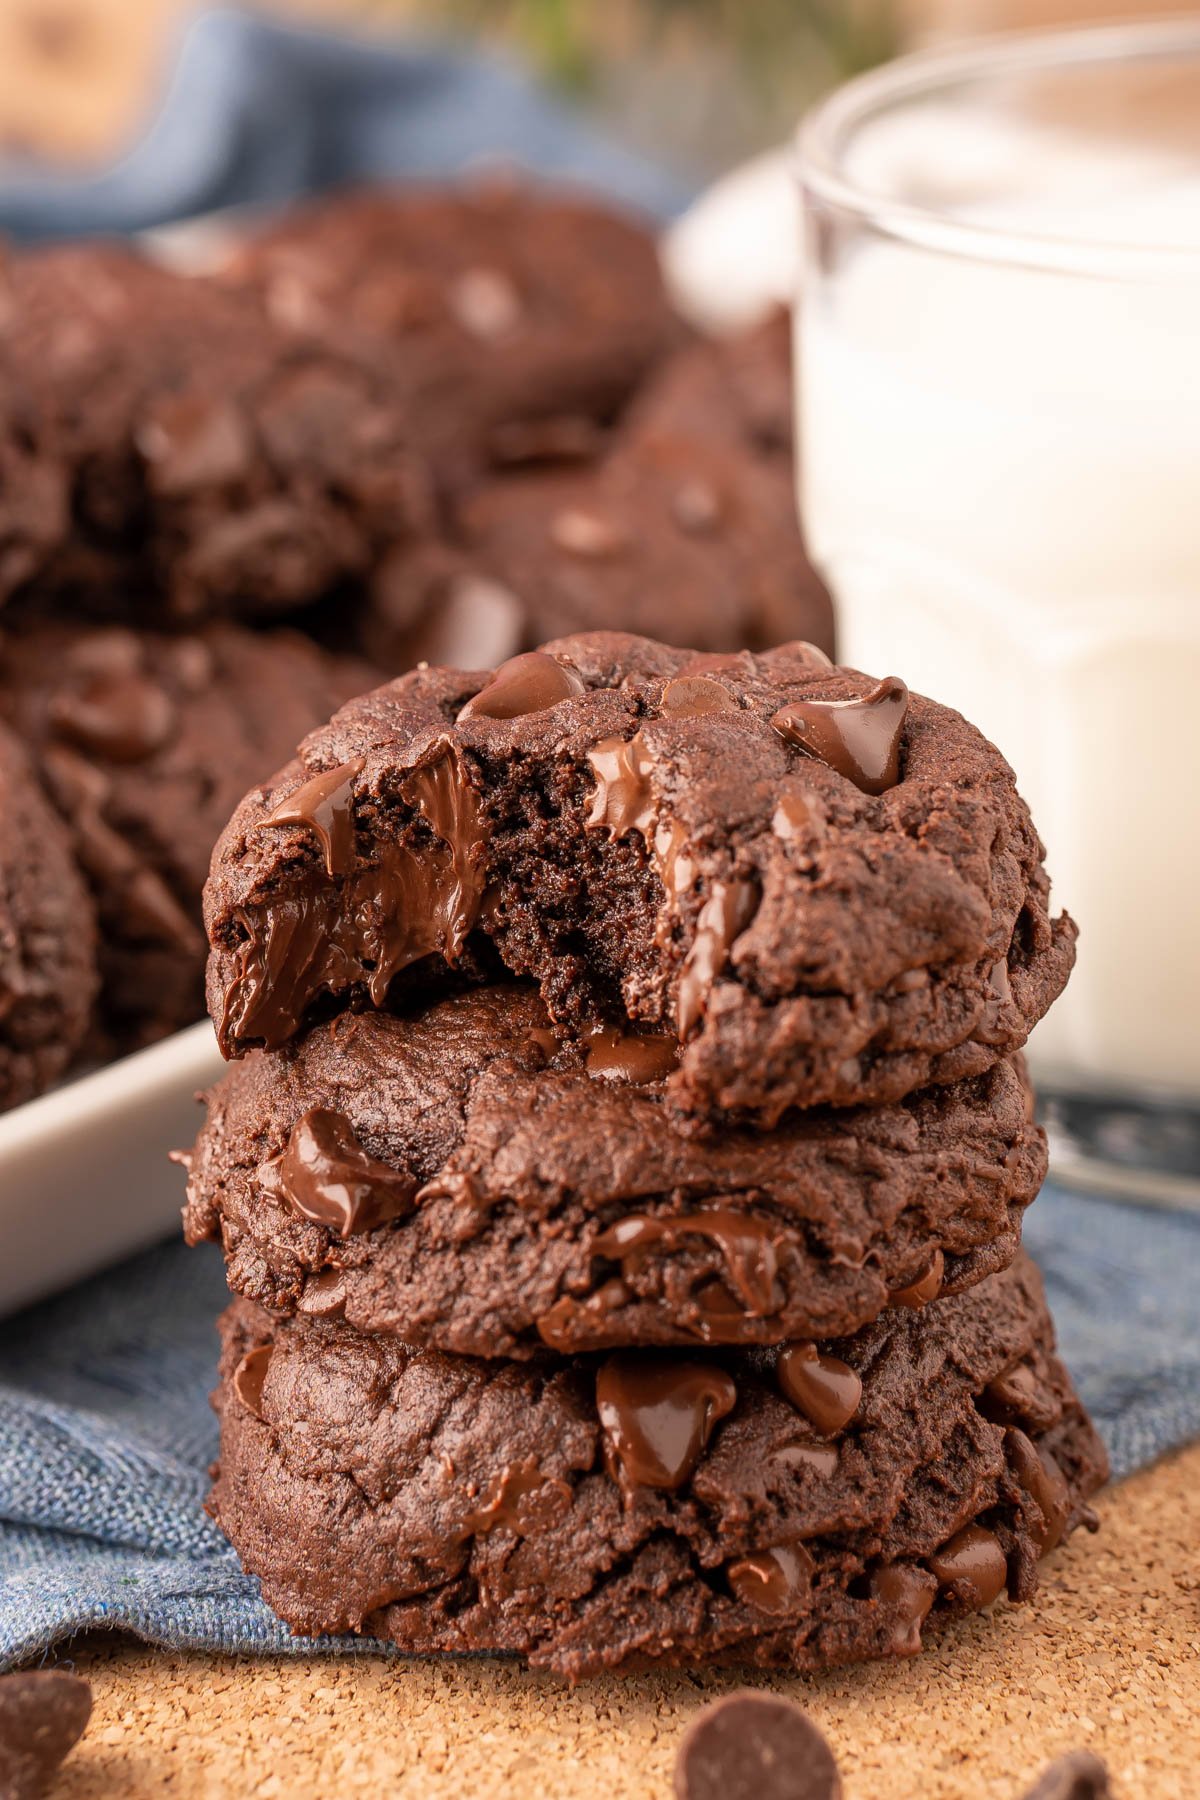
(999,408)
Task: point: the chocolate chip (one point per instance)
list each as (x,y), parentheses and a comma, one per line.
(586,534)
(752,1746)
(1077,1776)
(43,1714)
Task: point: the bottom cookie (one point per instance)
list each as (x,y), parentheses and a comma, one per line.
(800,1508)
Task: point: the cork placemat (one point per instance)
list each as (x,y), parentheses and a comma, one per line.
(1108,1658)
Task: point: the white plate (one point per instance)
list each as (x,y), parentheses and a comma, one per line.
(84,1171)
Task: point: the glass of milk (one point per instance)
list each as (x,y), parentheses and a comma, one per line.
(999,368)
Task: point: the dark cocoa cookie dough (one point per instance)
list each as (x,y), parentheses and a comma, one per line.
(143,742)
(189,457)
(548,303)
(509,1193)
(592,1514)
(48,974)
(642,831)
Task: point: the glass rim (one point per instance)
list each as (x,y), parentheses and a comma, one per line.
(820,142)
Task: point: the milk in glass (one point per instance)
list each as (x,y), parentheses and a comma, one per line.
(1002,486)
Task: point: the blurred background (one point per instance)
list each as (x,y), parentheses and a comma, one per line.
(696,83)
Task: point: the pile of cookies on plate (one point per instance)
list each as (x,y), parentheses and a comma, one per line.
(438,424)
(621,1168)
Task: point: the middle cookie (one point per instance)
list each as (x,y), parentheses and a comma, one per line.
(461,1179)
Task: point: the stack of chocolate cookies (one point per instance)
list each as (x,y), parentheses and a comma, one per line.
(622,1170)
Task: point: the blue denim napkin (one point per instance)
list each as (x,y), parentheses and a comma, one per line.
(106,1432)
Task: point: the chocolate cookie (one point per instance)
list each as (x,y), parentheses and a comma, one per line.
(47,937)
(193,458)
(144,741)
(592,1514)
(674,537)
(828,889)
(460,1179)
(549,304)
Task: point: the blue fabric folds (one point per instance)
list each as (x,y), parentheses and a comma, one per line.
(106,1433)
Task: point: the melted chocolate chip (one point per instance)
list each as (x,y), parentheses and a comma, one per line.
(743,1241)
(325,1175)
(673,857)
(1018,1398)
(825,1390)
(530,683)
(324,1295)
(746,1243)
(1076,1776)
(905,1593)
(723,917)
(410,904)
(658,1414)
(485,303)
(519,1499)
(973,1564)
(193,442)
(694,697)
(777,1582)
(859,738)
(43,1714)
(696,508)
(794,816)
(623,800)
(325,805)
(250,1376)
(1041,1478)
(752,1746)
(120,716)
(613,1055)
(925,1288)
(586,534)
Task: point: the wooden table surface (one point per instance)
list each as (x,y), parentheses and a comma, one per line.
(1107,1657)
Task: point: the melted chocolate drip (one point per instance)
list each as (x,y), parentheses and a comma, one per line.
(658,1415)
(925,1288)
(906,1593)
(249,1377)
(777,1582)
(973,1564)
(824,1389)
(530,683)
(325,1175)
(325,805)
(508,1502)
(1041,1478)
(413,902)
(324,1295)
(859,738)
(723,917)
(623,800)
(673,858)
(695,696)
(746,1243)
(616,1056)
